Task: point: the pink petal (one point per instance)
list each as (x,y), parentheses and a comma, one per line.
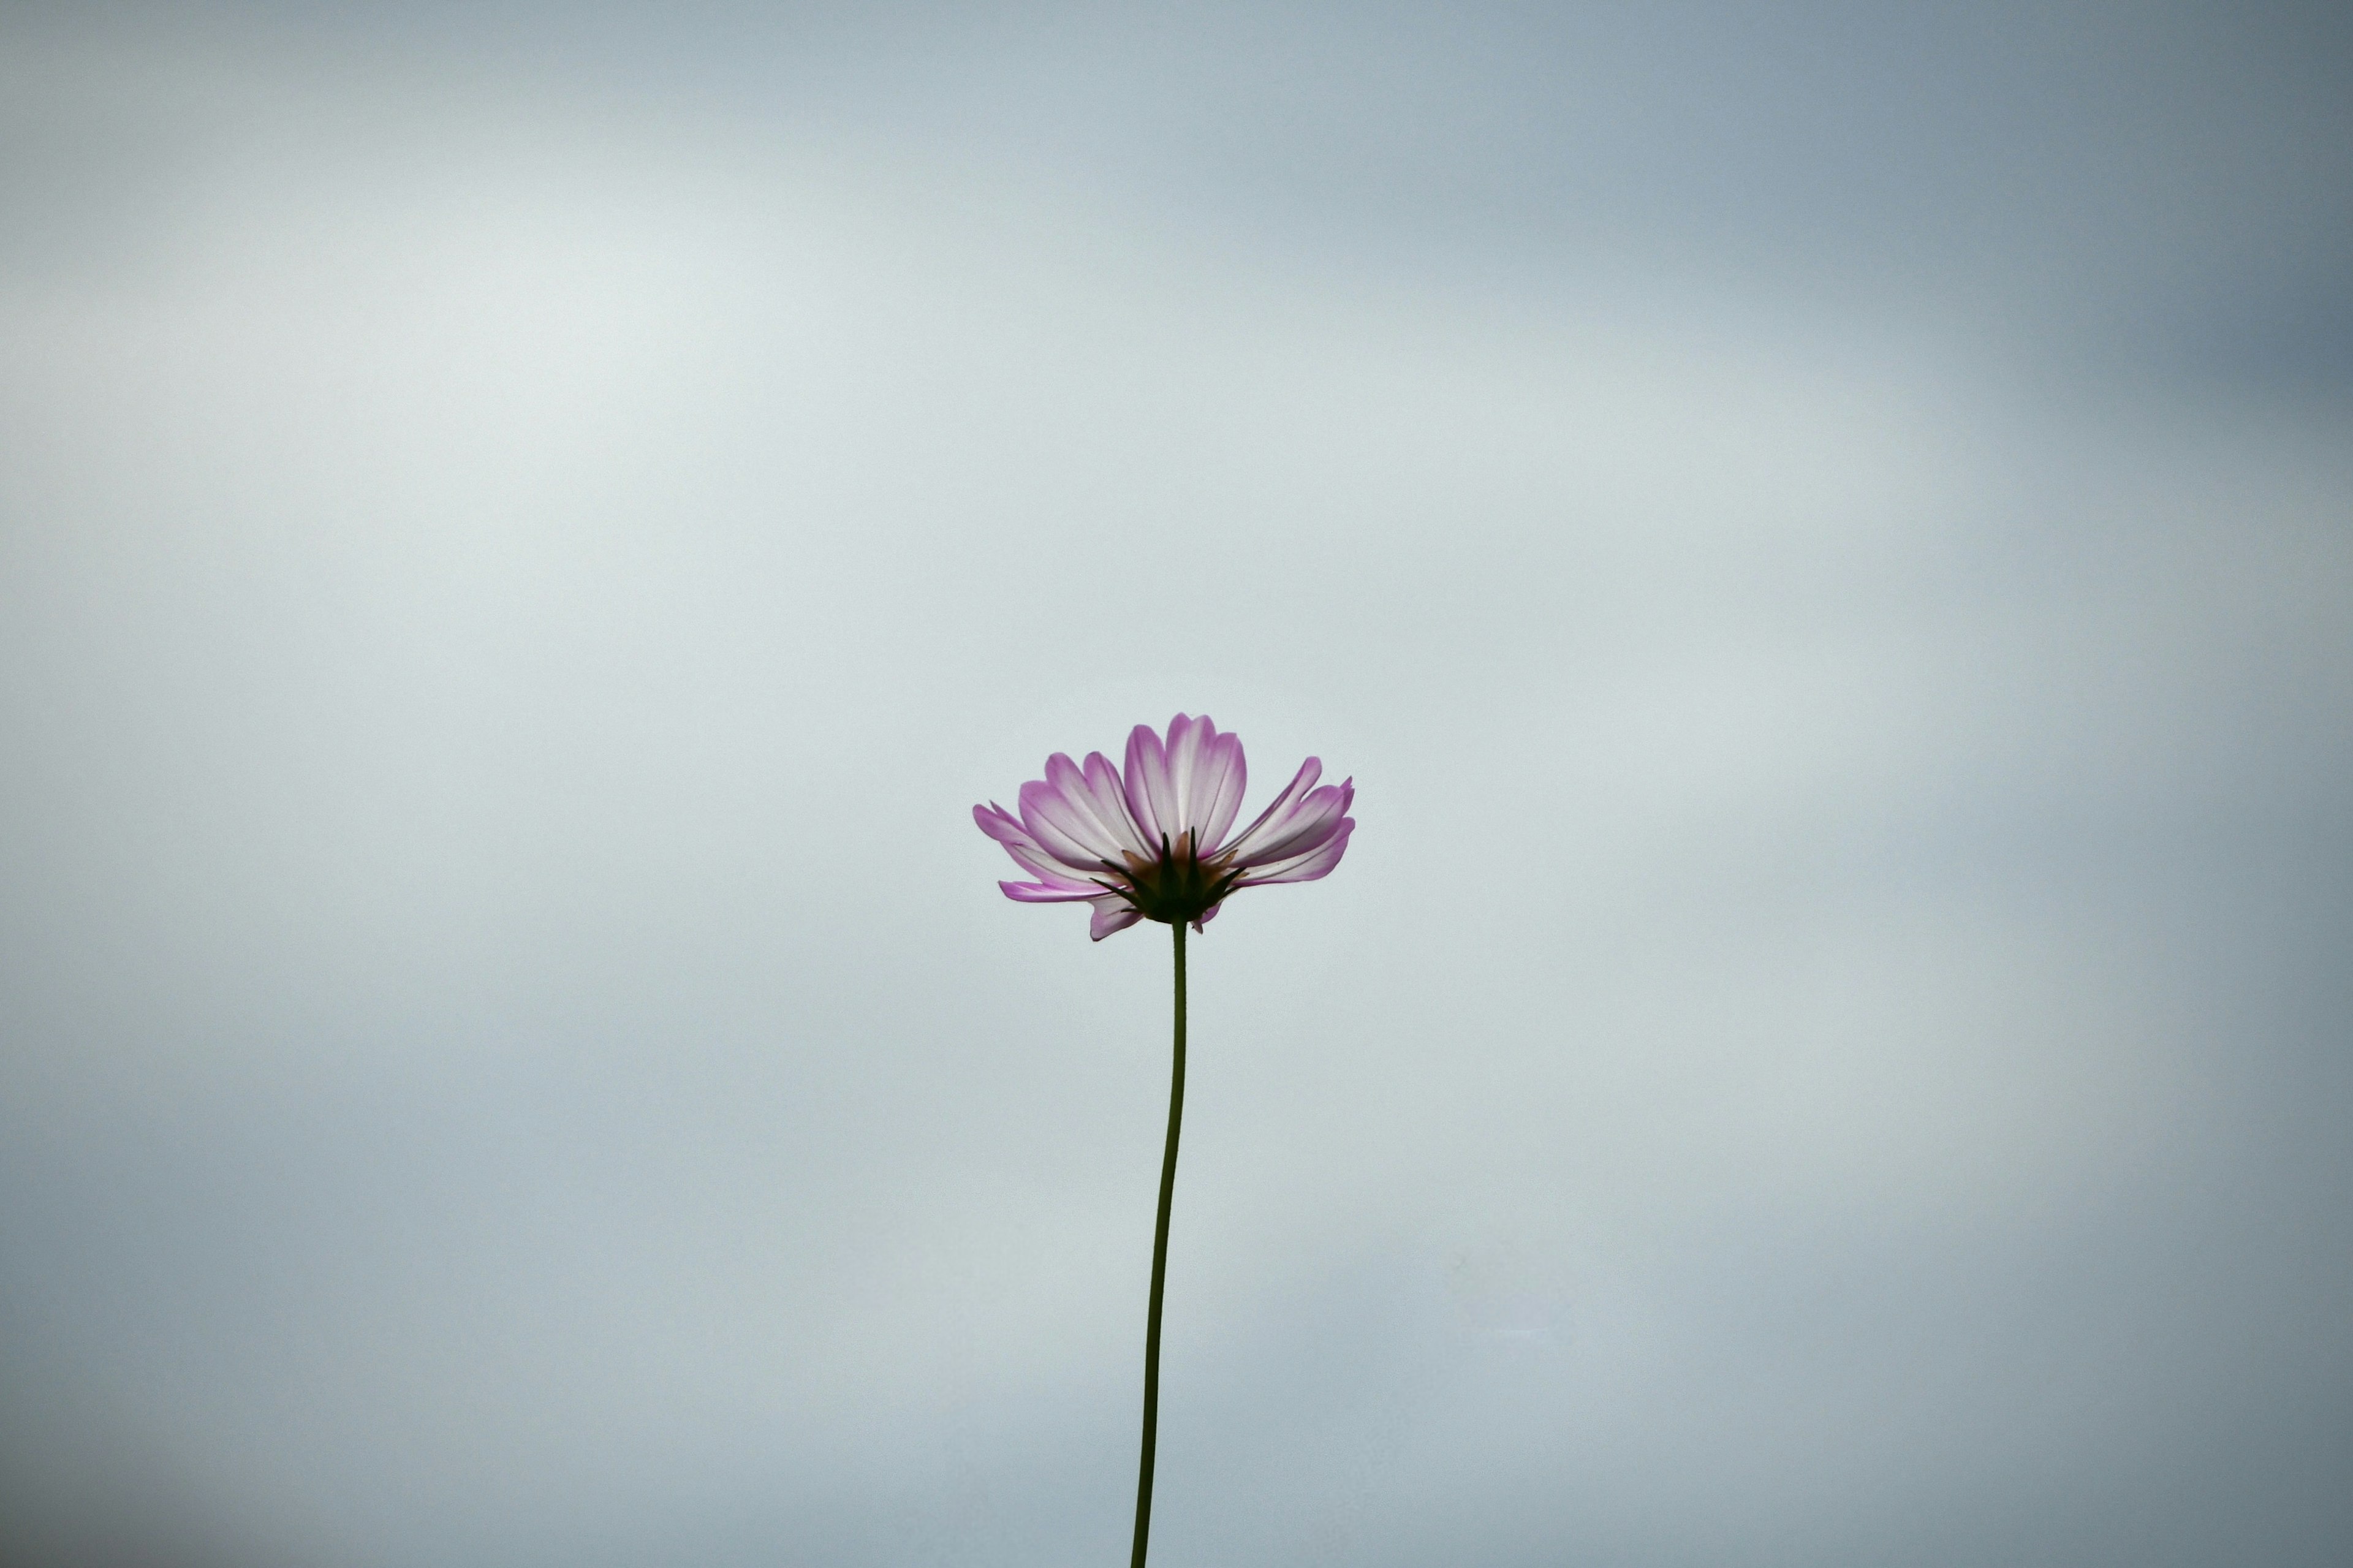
(1186,738)
(1205,781)
(1095,797)
(1108,799)
(1307,868)
(1062,813)
(1219,780)
(1151,797)
(1309,823)
(1281,806)
(1040,893)
(1000,825)
(1052,872)
(1192,783)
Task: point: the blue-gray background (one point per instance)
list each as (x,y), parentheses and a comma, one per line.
(1821,533)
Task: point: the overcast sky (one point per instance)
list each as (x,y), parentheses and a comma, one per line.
(1824,535)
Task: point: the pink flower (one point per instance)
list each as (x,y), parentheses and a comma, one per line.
(1151,845)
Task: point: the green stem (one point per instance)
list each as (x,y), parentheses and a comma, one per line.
(1160,1271)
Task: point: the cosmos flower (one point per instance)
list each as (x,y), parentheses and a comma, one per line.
(1150,843)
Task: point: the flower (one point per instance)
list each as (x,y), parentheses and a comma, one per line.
(1150,845)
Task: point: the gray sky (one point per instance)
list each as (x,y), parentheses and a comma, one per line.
(1822,536)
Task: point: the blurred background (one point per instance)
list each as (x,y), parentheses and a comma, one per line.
(1821,531)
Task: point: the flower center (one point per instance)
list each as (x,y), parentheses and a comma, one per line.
(1179,886)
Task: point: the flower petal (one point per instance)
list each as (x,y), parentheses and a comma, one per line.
(1151,796)
(1192,783)
(1211,787)
(1186,738)
(1108,797)
(1046,893)
(1307,868)
(1002,826)
(1303,830)
(1279,807)
(1062,813)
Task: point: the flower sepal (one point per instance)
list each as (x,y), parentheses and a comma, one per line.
(1179,887)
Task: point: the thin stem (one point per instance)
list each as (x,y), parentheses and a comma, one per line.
(1160,1271)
